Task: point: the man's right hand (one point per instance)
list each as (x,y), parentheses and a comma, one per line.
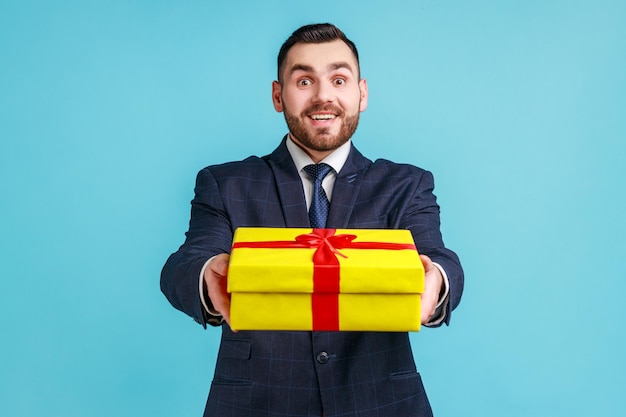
(215,279)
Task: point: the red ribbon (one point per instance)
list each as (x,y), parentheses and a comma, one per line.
(325,297)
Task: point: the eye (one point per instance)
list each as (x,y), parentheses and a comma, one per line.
(339,81)
(305,82)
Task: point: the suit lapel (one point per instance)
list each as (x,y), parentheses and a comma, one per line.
(346,189)
(291,194)
(289,186)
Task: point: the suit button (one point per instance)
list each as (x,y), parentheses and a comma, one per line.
(322,357)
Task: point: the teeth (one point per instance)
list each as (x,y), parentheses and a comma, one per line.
(322,116)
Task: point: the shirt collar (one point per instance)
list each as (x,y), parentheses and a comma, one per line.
(336,159)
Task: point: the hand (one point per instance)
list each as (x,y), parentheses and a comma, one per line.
(433,280)
(215,279)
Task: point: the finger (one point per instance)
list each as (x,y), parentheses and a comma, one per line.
(220,265)
(219,296)
(217,285)
(226,311)
(428,264)
(429,297)
(427,308)
(215,288)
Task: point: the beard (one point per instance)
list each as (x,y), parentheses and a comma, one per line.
(321,139)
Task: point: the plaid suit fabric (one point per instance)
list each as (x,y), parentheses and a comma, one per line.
(306,373)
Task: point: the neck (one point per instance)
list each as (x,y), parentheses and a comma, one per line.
(316,156)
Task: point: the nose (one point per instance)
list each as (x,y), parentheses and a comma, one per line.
(324,92)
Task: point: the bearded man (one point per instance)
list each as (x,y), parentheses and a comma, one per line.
(297,373)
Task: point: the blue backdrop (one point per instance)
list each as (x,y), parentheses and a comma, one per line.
(108,110)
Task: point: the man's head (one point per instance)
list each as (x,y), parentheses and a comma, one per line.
(316,33)
(319,88)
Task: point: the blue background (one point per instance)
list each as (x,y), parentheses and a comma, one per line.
(108,110)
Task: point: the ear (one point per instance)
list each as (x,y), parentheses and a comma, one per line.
(363,92)
(277,98)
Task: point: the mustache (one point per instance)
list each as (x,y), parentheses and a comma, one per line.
(331,108)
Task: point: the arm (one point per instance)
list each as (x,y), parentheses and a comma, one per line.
(209,234)
(421,216)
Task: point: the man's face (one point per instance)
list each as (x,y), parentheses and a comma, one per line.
(321,96)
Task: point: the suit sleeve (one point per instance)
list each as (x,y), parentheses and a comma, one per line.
(421,216)
(209,234)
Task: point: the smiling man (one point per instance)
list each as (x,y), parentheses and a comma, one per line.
(321,95)
(266,373)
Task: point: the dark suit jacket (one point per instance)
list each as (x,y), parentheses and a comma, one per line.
(304,373)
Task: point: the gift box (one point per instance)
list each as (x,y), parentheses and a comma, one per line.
(324,280)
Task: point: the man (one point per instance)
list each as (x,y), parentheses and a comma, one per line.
(264,373)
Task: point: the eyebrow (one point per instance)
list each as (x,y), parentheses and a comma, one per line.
(331,67)
(338,65)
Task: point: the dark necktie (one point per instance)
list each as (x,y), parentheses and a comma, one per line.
(318,211)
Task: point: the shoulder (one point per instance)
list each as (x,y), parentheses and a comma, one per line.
(357,161)
(249,168)
(393,169)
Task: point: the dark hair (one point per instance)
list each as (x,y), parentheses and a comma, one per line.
(316,33)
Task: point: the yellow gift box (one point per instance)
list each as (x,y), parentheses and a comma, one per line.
(324,279)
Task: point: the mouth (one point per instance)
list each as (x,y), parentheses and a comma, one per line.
(322,116)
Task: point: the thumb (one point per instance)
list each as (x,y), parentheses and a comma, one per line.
(219,265)
(428,264)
